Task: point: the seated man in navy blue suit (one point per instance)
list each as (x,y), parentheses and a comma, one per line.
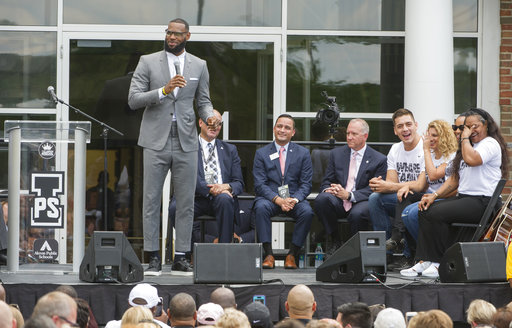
(339,197)
(282,180)
(219,181)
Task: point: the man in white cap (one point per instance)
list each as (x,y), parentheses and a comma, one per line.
(209,313)
(142,295)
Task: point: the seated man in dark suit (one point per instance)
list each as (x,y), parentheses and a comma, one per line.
(219,181)
(345,190)
(282,180)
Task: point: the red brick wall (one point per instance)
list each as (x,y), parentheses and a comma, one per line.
(506,77)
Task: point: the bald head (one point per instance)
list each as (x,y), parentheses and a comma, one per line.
(300,303)
(56,305)
(6,318)
(224,297)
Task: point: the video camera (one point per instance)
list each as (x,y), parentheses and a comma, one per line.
(331,114)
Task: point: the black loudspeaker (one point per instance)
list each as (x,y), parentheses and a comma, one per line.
(357,260)
(110,258)
(473,262)
(227,263)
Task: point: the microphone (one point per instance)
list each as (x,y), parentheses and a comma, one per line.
(51,91)
(177,67)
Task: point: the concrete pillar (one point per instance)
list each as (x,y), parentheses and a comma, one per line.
(428,69)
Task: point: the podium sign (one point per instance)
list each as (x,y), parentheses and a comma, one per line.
(38,191)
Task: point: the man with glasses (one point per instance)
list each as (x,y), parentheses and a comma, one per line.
(61,308)
(166,83)
(219,181)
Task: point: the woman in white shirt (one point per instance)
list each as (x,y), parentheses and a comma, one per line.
(478,166)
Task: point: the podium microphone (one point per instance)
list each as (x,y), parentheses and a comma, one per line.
(51,91)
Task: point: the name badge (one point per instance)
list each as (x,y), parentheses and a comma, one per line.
(284,191)
(274,156)
(209,177)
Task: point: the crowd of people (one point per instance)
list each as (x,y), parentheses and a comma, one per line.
(63,308)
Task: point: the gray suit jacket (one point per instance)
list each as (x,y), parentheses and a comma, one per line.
(151,74)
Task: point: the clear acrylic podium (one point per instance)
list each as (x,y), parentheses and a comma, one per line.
(38,194)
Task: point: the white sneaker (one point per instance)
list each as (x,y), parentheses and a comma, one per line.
(415,270)
(432,271)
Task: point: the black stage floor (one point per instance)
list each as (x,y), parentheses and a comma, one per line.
(109,300)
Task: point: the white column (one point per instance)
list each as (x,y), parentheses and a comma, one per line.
(428,69)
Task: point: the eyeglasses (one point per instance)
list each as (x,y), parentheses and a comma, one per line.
(72,324)
(458,127)
(176,34)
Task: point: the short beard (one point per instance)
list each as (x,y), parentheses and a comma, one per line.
(176,51)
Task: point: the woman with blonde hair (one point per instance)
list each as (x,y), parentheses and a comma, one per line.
(431,319)
(233,319)
(136,315)
(480,312)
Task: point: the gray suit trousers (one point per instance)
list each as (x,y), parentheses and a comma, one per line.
(183,167)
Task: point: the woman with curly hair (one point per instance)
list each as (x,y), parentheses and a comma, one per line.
(476,170)
(439,147)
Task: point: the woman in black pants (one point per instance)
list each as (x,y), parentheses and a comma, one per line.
(478,166)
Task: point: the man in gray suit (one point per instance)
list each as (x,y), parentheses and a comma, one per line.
(166,83)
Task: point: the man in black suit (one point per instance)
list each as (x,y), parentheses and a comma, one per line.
(219,180)
(340,196)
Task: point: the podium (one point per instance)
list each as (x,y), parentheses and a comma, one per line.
(38,178)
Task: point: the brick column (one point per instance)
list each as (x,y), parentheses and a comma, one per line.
(506,78)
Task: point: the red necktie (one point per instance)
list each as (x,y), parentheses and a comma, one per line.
(347,204)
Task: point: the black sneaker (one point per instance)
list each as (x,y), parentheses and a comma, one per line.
(332,249)
(401,263)
(395,246)
(154,267)
(182,267)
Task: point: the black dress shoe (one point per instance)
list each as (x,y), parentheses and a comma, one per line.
(154,267)
(182,267)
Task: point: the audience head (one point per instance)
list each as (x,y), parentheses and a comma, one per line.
(390,318)
(39,321)
(502,317)
(6,318)
(322,324)
(182,310)
(68,290)
(233,319)
(209,313)
(355,314)
(61,308)
(480,312)
(20,322)
(224,297)
(258,315)
(135,315)
(375,310)
(431,319)
(144,295)
(300,303)
(289,323)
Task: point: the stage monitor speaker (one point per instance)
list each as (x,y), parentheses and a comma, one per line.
(473,262)
(227,263)
(110,258)
(357,260)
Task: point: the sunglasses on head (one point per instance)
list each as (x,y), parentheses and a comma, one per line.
(458,127)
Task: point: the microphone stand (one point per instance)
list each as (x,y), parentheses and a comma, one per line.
(104,134)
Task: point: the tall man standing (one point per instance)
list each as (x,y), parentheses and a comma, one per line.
(166,84)
(282,180)
(345,190)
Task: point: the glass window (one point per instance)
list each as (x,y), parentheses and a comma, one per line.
(365,74)
(465,69)
(28,12)
(367,15)
(465,15)
(28,65)
(241,82)
(155,12)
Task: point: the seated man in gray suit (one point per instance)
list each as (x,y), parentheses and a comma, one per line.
(166,83)
(345,188)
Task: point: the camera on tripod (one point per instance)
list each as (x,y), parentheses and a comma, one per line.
(331,113)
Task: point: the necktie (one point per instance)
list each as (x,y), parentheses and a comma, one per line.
(347,204)
(212,162)
(281,159)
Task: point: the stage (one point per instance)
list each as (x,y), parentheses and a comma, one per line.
(109,300)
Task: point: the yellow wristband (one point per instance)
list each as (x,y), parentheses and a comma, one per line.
(163,91)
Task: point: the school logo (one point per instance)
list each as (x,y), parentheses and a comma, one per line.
(47,211)
(46,249)
(47,150)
